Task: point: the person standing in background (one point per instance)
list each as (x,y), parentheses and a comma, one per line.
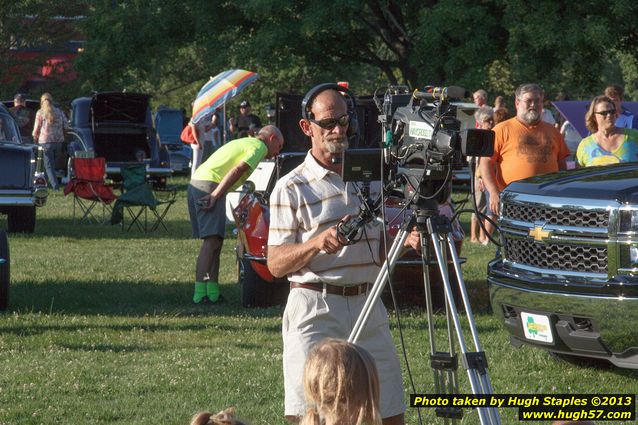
(499,103)
(49,130)
(524,146)
(24,117)
(608,143)
(204,133)
(485,121)
(480,98)
(244,120)
(224,171)
(625,119)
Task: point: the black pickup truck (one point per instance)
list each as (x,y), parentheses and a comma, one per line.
(566,277)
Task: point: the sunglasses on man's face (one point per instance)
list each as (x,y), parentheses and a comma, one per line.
(330,123)
(607,112)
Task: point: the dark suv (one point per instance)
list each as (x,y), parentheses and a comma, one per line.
(22,184)
(566,279)
(118,126)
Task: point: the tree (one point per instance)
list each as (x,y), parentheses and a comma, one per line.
(29,31)
(170,49)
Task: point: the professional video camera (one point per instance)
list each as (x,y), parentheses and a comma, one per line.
(423,138)
(422,143)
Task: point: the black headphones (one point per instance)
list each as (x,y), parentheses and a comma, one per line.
(353,126)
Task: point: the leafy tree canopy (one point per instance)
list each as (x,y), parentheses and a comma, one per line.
(170,49)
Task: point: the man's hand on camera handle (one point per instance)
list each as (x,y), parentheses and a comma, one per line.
(329,241)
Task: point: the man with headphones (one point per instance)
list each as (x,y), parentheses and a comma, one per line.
(329,281)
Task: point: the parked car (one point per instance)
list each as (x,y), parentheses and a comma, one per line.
(62,159)
(169,123)
(23,186)
(4,270)
(118,126)
(566,278)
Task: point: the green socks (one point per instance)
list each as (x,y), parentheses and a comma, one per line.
(200,292)
(212,290)
(206,289)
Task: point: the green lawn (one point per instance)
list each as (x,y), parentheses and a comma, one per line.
(100,329)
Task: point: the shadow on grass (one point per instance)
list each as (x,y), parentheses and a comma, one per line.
(64,227)
(119,298)
(178,229)
(588,363)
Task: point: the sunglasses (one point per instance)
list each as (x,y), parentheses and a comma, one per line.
(610,112)
(330,123)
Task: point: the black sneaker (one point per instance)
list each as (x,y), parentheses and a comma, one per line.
(220,300)
(204,300)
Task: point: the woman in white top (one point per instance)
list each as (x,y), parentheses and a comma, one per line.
(207,140)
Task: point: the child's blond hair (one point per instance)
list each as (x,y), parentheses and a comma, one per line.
(341,385)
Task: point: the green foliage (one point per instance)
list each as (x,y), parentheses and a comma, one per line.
(28,25)
(169,49)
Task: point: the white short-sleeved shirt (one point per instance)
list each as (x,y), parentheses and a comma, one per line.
(309,200)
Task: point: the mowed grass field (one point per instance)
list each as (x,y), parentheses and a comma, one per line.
(101,330)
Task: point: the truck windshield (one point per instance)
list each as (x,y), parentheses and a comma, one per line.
(8,132)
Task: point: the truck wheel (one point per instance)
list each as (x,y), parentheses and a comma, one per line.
(256,292)
(21,220)
(251,286)
(4,270)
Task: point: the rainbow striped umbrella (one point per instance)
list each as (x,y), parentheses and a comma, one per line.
(220,89)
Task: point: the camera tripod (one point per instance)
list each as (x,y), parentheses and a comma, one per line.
(437,229)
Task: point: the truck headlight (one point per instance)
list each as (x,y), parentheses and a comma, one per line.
(628,256)
(628,221)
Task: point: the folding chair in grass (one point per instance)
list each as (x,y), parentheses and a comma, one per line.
(138,198)
(90,189)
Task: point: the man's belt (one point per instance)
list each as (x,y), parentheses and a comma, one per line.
(345,291)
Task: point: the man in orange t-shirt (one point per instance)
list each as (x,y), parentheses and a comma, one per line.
(524,146)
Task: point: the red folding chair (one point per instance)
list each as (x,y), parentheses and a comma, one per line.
(89,189)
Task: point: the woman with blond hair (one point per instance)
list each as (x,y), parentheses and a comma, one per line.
(608,144)
(341,383)
(48,131)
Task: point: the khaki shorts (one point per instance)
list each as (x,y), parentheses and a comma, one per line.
(310,317)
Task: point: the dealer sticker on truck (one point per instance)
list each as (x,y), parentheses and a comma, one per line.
(537,328)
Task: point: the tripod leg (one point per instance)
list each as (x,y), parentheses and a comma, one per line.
(444,364)
(439,228)
(425,268)
(454,386)
(483,375)
(379,284)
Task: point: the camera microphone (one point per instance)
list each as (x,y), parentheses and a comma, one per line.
(440,93)
(387,141)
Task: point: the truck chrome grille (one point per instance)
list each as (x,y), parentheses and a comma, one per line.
(557,257)
(558,216)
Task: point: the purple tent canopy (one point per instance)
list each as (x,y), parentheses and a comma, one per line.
(574,111)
